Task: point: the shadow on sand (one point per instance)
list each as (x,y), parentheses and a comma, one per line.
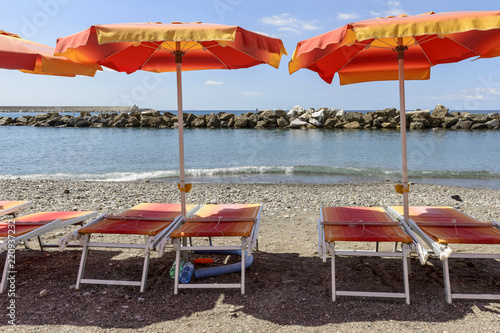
(282,288)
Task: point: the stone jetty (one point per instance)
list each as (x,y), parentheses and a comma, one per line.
(296,118)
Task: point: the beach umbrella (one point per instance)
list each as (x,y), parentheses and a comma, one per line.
(399,48)
(159,47)
(30,57)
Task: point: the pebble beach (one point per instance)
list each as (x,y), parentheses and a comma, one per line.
(288,286)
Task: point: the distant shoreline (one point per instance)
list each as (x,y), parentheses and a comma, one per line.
(41,109)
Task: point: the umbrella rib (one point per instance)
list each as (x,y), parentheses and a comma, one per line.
(249,55)
(158,47)
(354,56)
(119,51)
(465,46)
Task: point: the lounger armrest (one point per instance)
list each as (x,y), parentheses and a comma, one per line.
(64,241)
(74,236)
(163,239)
(442,251)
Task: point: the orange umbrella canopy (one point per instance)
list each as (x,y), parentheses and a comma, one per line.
(159,47)
(364,51)
(30,57)
(150,47)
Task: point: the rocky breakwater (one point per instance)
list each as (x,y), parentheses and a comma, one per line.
(296,118)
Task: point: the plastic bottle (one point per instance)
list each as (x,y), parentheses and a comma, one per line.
(172,269)
(186,273)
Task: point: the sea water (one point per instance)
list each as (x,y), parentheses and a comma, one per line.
(461,157)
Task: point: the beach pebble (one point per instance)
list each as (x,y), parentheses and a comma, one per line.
(44,293)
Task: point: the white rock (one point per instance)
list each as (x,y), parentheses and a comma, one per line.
(319,115)
(340,113)
(492,123)
(296,110)
(315,122)
(297,123)
(305,116)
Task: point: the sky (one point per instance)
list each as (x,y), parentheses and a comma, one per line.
(468,85)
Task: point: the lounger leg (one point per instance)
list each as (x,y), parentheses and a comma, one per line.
(184,243)
(40,242)
(446,276)
(177,247)
(406,256)
(3,284)
(83,261)
(243,258)
(376,247)
(334,289)
(145,272)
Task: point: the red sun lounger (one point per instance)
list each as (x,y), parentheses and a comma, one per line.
(13,207)
(22,229)
(441,226)
(365,224)
(151,220)
(236,220)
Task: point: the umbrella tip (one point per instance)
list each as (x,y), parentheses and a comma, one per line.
(177,22)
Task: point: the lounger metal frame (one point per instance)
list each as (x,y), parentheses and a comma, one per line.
(248,244)
(151,243)
(444,252)
(325,248)
(38,232)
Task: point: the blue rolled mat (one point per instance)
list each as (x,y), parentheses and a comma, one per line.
(226,269)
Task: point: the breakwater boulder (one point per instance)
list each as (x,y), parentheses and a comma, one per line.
(295,118)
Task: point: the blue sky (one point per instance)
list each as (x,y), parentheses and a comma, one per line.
(463,86)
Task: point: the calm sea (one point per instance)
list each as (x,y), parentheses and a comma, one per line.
(467,158)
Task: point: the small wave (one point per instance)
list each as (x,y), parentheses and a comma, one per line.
(262,170)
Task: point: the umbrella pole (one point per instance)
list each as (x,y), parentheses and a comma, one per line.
(402,119)
(182,184)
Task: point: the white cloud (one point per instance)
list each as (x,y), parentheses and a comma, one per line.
(478,93)
(213,83)
(250,93)
(346,16)
(286,22)
(394,8)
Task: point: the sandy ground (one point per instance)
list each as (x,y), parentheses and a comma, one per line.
(288,286)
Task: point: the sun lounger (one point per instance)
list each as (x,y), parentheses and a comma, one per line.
(12,207)
(154,221)
(21,229)
(237,220)
(365,224)
(441,226)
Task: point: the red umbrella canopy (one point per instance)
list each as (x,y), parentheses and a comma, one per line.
(30,57)
(151,47)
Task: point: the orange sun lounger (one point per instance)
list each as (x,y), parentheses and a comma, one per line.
(22,229)
(365,224)
(441,226)
(236,220)
(152,220)
(12,207)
